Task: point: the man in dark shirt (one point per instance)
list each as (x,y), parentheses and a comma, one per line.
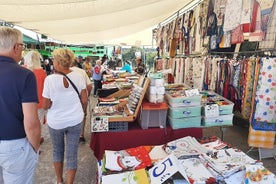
(20,129)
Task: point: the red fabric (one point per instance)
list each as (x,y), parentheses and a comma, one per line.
(142,154)
(40,76)
(250,27)
(135,136)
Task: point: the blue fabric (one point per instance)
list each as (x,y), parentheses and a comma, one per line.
(69,147)
(18,161)
(17,85)
(126,68)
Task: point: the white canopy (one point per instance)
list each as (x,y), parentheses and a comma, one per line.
(127,22)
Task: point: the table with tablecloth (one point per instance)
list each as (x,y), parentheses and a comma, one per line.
(136,136)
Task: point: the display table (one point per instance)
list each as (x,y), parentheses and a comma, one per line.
(135,136)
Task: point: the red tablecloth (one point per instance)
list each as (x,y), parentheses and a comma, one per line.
(135,136)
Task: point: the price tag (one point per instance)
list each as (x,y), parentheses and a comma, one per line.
(165,169)
(192,92)
(99,124)
(211,110)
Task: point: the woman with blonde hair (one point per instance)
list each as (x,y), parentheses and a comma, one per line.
(32,61)
(64,95)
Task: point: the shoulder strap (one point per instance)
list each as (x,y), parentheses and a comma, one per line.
(71,82)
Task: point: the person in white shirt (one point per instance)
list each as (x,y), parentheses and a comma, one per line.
(89,89)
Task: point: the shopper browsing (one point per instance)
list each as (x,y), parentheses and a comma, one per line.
(88,83)
(97,76)
(140,66)
(20,128)
(33,63)
(65,112)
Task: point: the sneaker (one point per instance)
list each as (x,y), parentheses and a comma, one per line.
(82,140)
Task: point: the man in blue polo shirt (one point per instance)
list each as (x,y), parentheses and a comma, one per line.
(19,124)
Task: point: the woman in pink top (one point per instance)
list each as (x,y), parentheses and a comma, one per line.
(32,61)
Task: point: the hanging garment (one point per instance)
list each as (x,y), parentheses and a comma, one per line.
(196,48)
(204,6)
(259,138)
(173,39)
(270,38)
(198,71)
(207,72)
(232,17)
(248,87)
(249,15)
(264,117)
(219,9)
(181,73)
(237,35)
(177,73)
(188,72)
(225,40)
(258,34)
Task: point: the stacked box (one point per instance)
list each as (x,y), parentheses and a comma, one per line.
(184,111)
(156,90)
(153,115)
(222,109)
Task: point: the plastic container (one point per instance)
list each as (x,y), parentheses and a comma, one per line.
(184,112)
(189,122)
(218,121)
(153,115)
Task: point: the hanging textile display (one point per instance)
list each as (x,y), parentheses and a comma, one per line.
(249,14)
(204,6)
(264,117)
(195,32)
(188,72)
(257,35)
(198,71)
(173,39)
(248,83)
(213,75)
(270,37)
(232,17)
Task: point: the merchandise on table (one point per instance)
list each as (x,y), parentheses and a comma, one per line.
(183,161)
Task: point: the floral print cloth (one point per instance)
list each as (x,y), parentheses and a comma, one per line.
(232,17)
(258,174)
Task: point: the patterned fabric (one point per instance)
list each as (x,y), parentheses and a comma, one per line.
(265,101)
(195,31)
(248,88)
(203,19)
(237,35)
(219,9)
(198,68)
(270,38)
(188,72)
(258,34)
(257,173)
(213,76)
(261,139)
(232,17)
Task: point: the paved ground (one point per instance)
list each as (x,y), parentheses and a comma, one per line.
(86,173)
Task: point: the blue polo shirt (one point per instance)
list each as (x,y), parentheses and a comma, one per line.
(17,86)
